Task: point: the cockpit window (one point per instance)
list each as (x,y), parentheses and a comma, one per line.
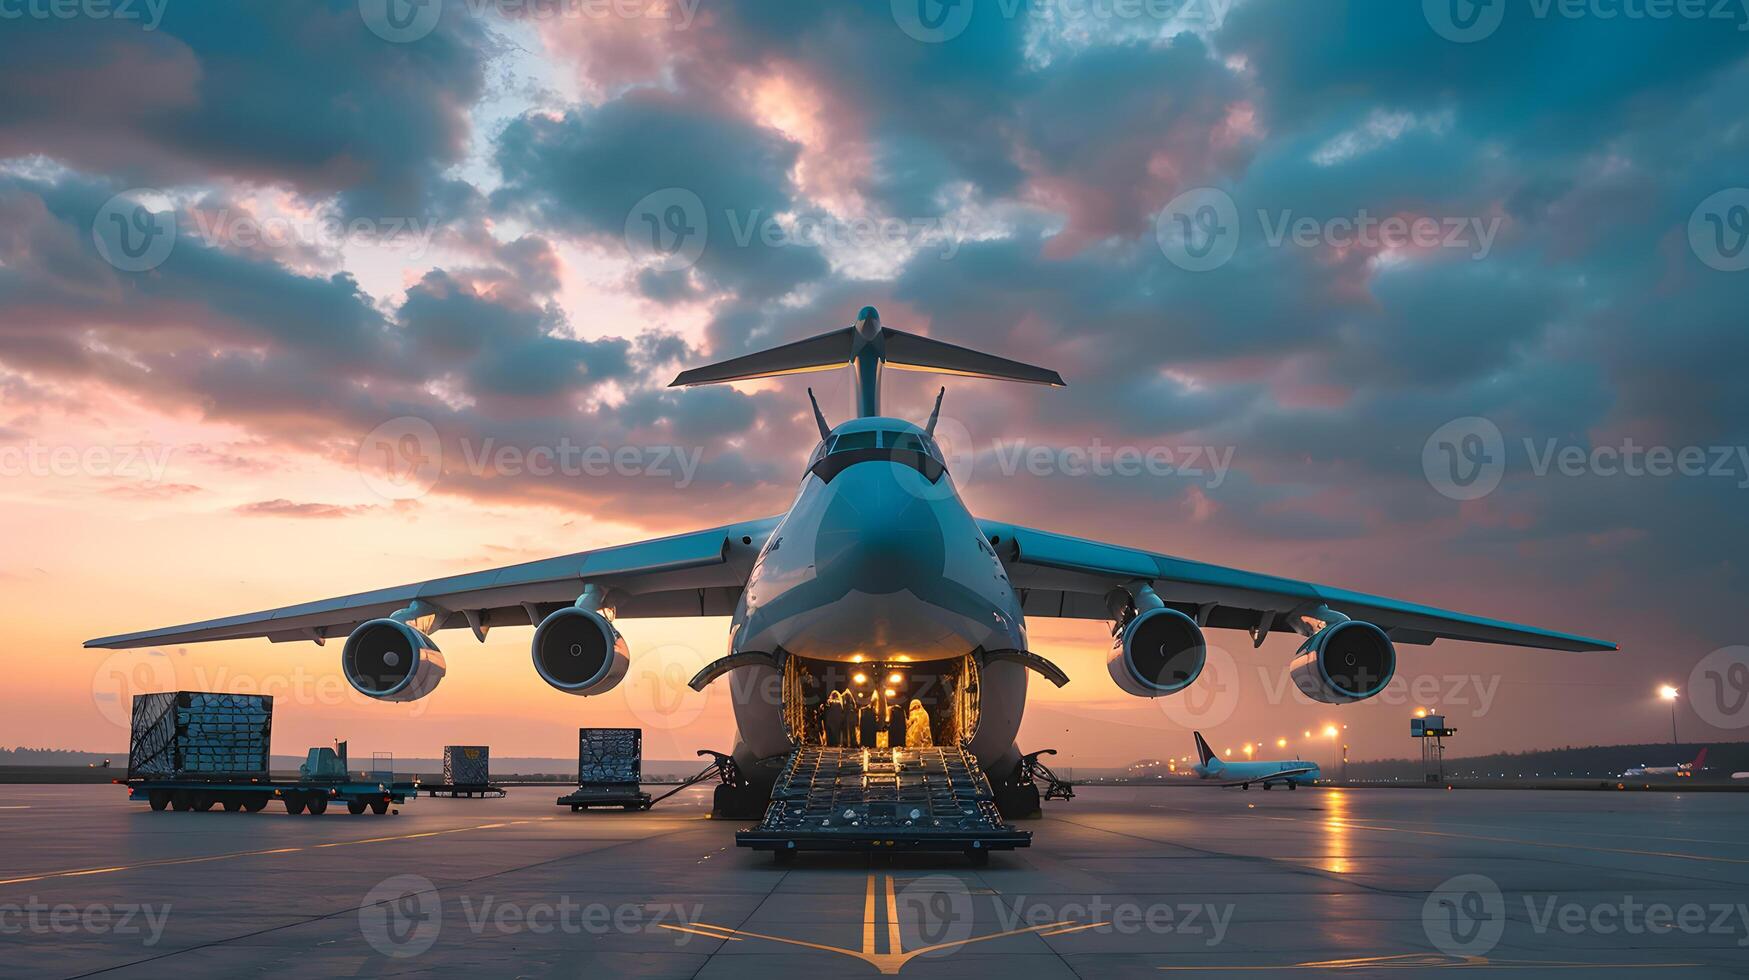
(853,440)
(897,446)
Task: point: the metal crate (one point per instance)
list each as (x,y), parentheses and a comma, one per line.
(467,765)
(610,756)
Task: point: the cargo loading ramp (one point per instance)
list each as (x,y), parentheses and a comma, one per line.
(907,799)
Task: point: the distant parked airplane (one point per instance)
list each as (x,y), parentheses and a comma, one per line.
(1290,773)
(1682,769)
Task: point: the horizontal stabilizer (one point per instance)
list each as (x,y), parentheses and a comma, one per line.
(828,350)
(912,352)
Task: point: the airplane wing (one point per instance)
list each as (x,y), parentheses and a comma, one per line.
(696,574)
(1058,575)
(1268,777)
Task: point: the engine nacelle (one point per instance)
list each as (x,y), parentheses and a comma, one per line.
(1343,662)
(1161,651)
(579,652)
(391,661)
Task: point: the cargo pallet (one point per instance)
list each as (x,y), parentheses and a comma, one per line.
(252,795)
(626,797)
(885,800)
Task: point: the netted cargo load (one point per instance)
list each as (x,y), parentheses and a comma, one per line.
(184,734)
(610,755)
(466,765)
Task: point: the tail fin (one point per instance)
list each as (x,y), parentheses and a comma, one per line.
(1202,749)
(1699,761)
(864,347)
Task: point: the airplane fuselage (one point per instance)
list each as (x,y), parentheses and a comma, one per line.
(879,561)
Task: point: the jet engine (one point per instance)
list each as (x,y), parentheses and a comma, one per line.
(1345,661)
(1157,652)
(579,652)
(391,661)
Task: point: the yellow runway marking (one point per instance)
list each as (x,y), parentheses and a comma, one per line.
(202,859)
(896,956)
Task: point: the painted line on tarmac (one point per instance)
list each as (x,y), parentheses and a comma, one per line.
(205,858)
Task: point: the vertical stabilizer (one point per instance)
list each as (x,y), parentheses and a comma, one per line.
(1203,751)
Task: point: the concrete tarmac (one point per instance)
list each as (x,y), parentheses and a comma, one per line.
(1120,882)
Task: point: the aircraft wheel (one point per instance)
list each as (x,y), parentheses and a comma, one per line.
(1266,787)
(1246,787)
(294,804)
(317,805)
(1293,785)
(355,807)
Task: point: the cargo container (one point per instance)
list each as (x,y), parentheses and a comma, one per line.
(466,773)
(190,750)
(610,765)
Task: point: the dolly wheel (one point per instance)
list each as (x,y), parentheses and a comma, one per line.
(158,799)
(318,805)
(784,855)
(255,803)
(294,804)
(232,806)
(979,856)
(203,803)
(379,807)
(355,807)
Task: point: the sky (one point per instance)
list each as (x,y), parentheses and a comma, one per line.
(1437,300)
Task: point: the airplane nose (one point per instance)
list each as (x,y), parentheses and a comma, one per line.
(877,534)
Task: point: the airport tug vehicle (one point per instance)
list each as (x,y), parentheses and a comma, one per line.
(193,751)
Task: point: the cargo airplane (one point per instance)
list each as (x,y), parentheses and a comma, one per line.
(877,570)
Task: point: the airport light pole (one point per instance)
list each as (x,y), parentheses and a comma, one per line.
(1669,693)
